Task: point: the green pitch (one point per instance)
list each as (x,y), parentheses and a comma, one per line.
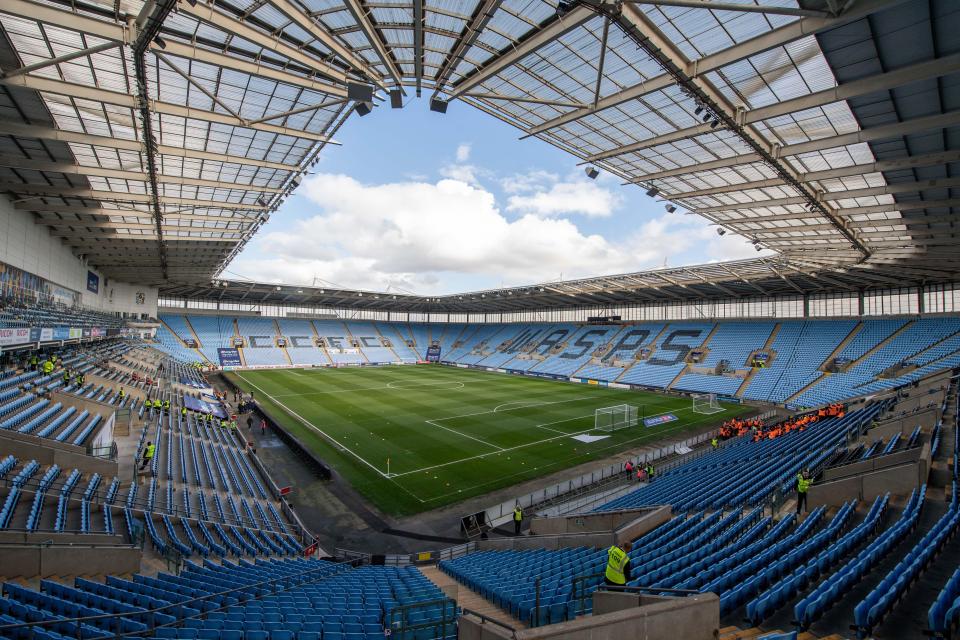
(450,434)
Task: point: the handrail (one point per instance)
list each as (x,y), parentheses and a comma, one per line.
(485,618)
(184,603)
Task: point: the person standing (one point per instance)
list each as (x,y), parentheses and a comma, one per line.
(263,426)
(148,454)
(617,573)
(803,485)
(517,519)
(628,467)
(250,423)
(47,367)
(714,443)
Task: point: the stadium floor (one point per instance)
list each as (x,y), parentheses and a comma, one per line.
(451,434)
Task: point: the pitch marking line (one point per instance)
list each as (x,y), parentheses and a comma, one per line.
(315,428)
(661,432)
(443,385)
(522,446)
(464,435)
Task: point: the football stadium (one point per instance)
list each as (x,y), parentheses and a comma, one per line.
(285,355)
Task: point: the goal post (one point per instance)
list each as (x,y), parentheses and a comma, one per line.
(706,403)
(616,417)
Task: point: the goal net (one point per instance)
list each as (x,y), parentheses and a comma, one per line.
(706,403)
(620,416)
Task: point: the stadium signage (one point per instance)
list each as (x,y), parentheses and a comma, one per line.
(14,336)
(653,421)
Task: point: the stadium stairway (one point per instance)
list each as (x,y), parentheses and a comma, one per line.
(467,598)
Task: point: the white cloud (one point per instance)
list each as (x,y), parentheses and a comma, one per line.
(433,237)
(463,152)
(544,194)
(526,182)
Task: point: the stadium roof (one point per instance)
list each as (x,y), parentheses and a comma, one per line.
(157,137)
(760,277)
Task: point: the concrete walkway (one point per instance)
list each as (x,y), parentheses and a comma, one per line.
(469,599)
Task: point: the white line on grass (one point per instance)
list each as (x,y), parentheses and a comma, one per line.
(431,422)
(527,444)
(617,445)
(314,427)
(542,404)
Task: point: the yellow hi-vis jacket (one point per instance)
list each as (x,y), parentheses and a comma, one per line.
(617,559)
(47,366)
(517,514)
(803,484)
(151,449)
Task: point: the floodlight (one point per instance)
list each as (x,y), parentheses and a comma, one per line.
(592,172)
(439,106)
(698,110)
(565,6)
(721,231)
(707,117)
(671,208)
(359,92)
(652,192)
(160,42)
(363,108)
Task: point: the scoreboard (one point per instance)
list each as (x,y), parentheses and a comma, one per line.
(433,353)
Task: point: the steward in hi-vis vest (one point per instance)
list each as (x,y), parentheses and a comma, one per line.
(618,565)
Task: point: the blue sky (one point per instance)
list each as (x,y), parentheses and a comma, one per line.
(424,202)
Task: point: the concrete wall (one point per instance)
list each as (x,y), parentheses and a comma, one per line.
(29,246)
(900,479)
(591,522)
(618,617)
(583,531)
(67,560)
(884,430)
(873,464)
(46,452)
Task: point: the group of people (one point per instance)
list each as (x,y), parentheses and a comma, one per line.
(799,423)
(737,427)
(45,365)
(643,473)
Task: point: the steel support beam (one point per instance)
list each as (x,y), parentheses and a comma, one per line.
(939,121)
(370,33)
(49,133)
(777,38)
(58,16)
(119,174)
(299,16)
(915,73)
(468,36)
(638,27)
(512,55)
(206,13)
(896,130)
(52,191)
(90,215)
(250,67)
(418,43)
(71,90)
(735,7)
(81,53)
(925,160)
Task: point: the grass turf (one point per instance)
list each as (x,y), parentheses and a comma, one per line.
(451,434)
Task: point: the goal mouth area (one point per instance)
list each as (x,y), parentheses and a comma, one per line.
(705,403)
(613,418)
